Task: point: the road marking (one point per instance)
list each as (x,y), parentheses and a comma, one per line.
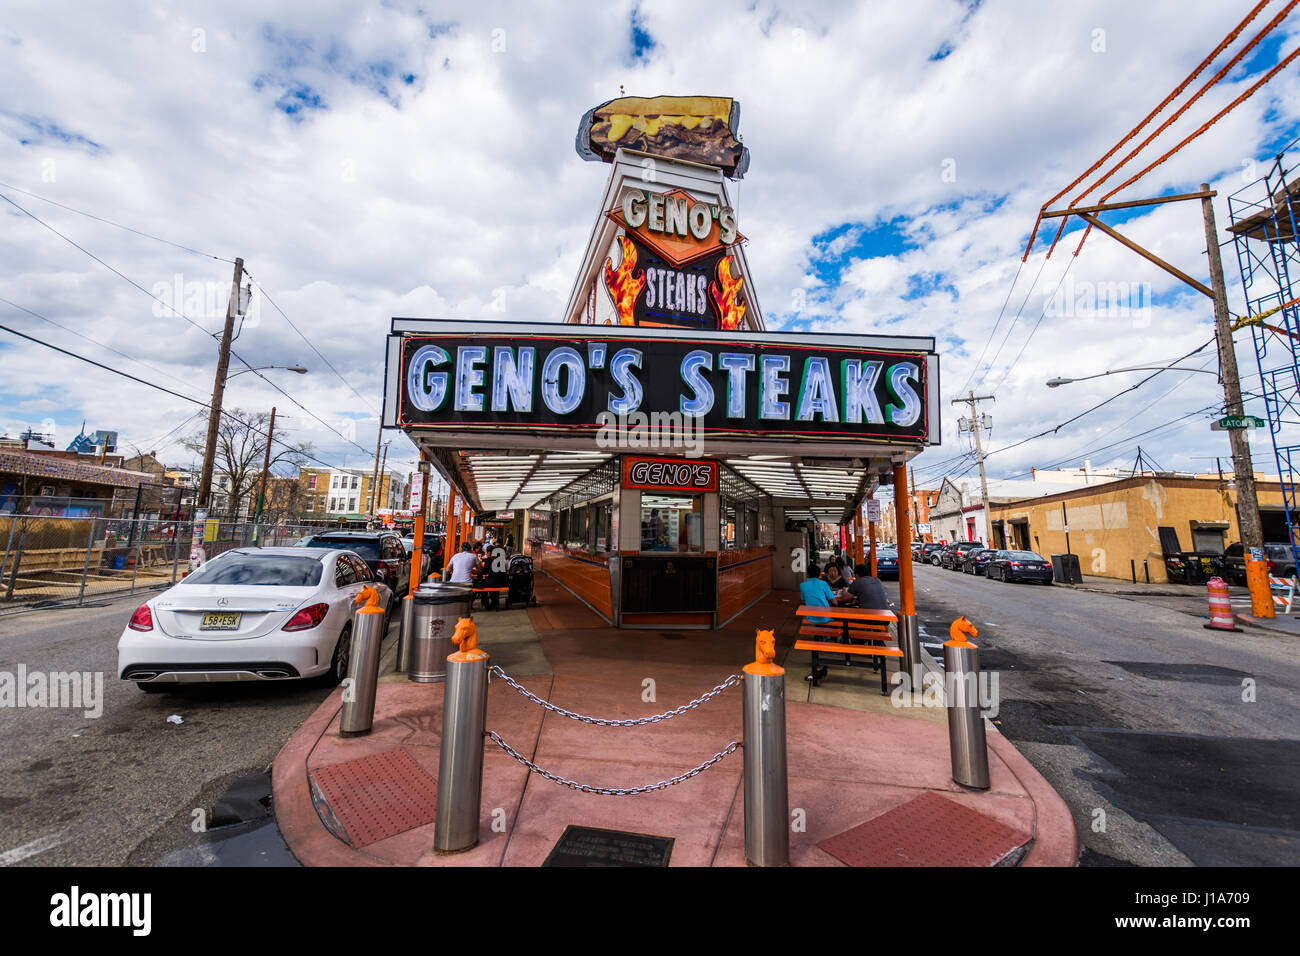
(39,845)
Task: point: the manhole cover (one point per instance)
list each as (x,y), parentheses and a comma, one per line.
(928,831)
(375,797)
(1190,673)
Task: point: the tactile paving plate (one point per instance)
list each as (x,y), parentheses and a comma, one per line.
(928,831)
(378,796)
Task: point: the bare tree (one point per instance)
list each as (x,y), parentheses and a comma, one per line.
(241,445)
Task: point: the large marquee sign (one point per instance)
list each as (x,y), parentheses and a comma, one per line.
(758,386)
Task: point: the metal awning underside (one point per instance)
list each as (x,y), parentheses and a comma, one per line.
(505,479)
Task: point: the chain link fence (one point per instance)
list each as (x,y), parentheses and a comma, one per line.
(61,560)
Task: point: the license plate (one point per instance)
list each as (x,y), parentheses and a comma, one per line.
(219,621)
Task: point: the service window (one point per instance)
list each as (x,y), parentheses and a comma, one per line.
(672,523)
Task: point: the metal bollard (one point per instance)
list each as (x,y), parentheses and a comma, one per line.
(966,743)
(358,714)
(460,762)
(404,634)
(767,796)
(909,642)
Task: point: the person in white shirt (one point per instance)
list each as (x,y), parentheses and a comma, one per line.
(464,565)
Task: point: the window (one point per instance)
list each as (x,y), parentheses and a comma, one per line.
(672,523)
(344,572)
(354,481)
(310,504)
(311,481)
(727,531)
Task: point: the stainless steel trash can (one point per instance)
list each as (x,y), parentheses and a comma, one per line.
(437,608)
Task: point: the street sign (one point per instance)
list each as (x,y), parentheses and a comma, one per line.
(873,510)
(1236,421)
(922,529)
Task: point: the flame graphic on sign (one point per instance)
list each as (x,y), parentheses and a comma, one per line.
(624,283)
(723,291)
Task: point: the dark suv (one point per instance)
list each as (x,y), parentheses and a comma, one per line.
(1281,562)
(952,556)
(382,551)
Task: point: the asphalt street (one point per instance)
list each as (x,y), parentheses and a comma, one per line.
(1172,744)
(123,787)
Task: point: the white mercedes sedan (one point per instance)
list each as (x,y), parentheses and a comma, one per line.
(250,614)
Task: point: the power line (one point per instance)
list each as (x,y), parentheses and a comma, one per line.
(1042,315)
(1086,411)
(310,345)
(168,305)
(138,232)
(989,340)
(195,401)
(90,340)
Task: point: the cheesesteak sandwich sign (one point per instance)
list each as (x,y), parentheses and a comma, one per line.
(749,388)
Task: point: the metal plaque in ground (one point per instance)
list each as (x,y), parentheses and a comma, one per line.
(589,846)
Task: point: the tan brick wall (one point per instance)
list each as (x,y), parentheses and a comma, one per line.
(1116,522)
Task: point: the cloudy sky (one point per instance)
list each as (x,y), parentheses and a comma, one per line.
(376,159)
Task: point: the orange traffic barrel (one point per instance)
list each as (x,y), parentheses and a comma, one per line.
(1221,618)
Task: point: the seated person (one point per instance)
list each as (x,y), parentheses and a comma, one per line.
(846,574)
(865,591)
(833,577)
(816,593)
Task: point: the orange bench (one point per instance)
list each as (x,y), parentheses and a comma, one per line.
(875,650)
(480,592)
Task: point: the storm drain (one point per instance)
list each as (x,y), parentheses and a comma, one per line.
(908,836)
(375,797)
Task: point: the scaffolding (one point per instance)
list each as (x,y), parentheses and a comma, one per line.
(1263,220)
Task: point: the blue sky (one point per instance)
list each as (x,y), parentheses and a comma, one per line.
(379,159)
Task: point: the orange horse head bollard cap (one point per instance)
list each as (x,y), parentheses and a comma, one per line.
(465,637)
(961,631)
(370,597)
(764,656)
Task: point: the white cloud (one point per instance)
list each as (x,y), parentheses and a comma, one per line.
(460,191)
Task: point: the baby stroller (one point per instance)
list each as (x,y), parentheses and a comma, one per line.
(520,575)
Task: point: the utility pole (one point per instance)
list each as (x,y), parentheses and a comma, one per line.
(972,400)
(266,464)
(219,389)
(1252,531)
(374,481)
(383,467)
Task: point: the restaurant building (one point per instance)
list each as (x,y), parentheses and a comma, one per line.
(661,451)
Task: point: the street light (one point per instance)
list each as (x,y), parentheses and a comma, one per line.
(262,368)
(1057,382)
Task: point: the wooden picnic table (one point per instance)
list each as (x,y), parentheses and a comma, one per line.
(872,618)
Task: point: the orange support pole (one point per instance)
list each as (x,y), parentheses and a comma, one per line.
(871,539)
(909,636)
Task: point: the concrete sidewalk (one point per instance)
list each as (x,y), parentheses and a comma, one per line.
(853,757)
(1192,599)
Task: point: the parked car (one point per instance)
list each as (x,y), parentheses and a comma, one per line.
(426,561)
(976,561)
(1281,561)
(952,556)
(929,549)
(250,614)
(886,563)
(1018,566)
(382,551)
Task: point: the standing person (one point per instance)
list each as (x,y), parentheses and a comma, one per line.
(464,565)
